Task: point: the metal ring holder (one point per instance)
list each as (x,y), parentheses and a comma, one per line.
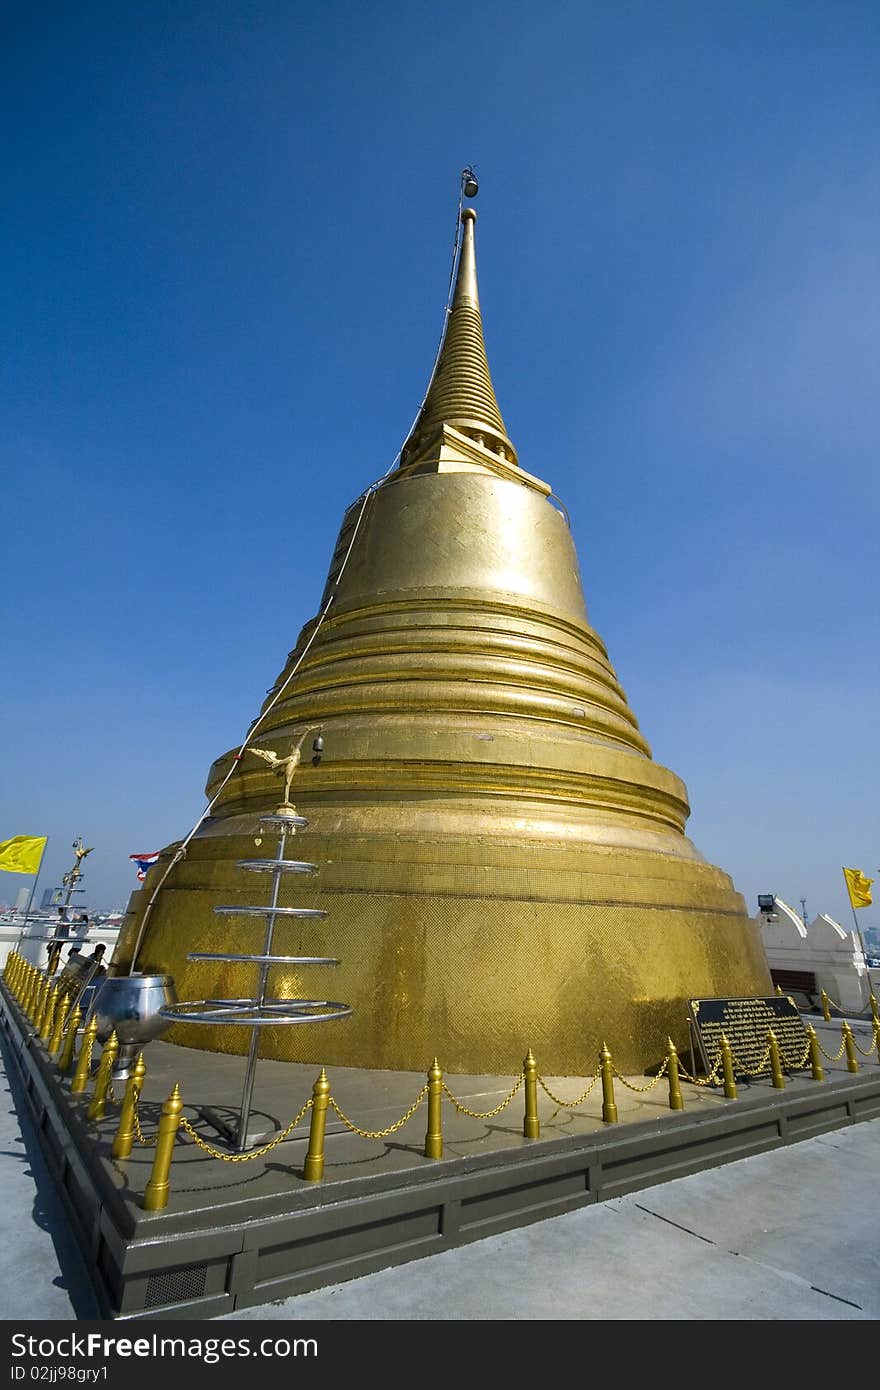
(262,1011)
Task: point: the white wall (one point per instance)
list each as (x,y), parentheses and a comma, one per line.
(825,948)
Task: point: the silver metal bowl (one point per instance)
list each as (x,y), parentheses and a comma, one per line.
(130,1005)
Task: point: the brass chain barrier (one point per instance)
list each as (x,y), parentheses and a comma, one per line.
(485,1114)
(759,1070)
(139,1135)
(789,1062)
(853,1013)
(837,1056)
(708,1080)
(792,1065)
(870,1050)
(570,1104)
(380,1133)
(642,1089)
(251,1153)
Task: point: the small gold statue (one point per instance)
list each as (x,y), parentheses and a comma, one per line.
(285,767)
(72,875)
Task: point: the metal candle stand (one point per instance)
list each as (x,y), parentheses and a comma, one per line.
(260,1011)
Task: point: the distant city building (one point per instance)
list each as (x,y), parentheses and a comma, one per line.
(21,901)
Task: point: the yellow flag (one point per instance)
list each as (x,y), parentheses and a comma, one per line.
(859,887)
(22,854)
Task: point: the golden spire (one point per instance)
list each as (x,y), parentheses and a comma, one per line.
(461,393)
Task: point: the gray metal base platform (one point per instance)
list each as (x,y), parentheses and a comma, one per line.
(237,1236)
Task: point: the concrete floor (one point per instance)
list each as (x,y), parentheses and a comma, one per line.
(789,1235)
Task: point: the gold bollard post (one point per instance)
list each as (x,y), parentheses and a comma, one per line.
(727,1068)
(815,1055)
(30,992)
(157,1189)
(676,1099)
(531,1123)
(84,1061)
(98,1103)
(43,1005)
(49,1014)
(313,1169)
(875,1010)
(30,1002)
(124,1137)
(779,991)
(54,1043)
(24,981)
(434,1135)
(35,998)
(775,1061)
(849,1042)
(826,1009)
(54,958)
(877,1039)
(41,1001)
(43,1011)
(609,1107)
(65,1061)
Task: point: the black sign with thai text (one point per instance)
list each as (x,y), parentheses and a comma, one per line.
(746,1023)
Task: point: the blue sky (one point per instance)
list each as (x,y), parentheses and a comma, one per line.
(224,260)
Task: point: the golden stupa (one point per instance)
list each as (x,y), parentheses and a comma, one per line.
(502,863)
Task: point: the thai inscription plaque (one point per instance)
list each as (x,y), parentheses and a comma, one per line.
(745,1023)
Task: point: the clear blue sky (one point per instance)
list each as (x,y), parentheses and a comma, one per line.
(224,256)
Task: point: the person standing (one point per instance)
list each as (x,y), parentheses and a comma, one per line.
(60,934)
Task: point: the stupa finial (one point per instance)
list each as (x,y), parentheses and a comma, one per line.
(461,393)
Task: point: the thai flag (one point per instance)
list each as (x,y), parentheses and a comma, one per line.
(144,862)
